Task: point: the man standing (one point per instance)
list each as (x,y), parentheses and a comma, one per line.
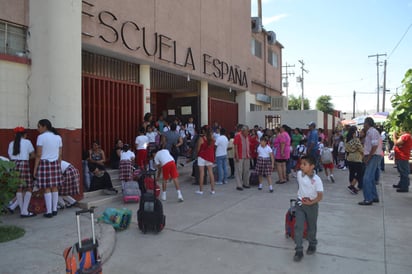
(403,145)
(372,157)
(242,156)
(221,156)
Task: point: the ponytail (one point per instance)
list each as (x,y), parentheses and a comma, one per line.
(46,123)
(16,145)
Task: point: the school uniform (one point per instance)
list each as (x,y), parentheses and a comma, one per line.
(264,162)
(49,173)
(21,161)
(142,141)
(126,165)
(71,179)
(167,162)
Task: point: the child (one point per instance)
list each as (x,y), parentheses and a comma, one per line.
(142,141)
(310,193)
(152,134)
(265,162)
(70,186)
(166,164)
(300,151)
(126,163)
(326,159)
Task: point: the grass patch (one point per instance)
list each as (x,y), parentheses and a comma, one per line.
(10,232)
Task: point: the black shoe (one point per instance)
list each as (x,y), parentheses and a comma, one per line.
(246,186)
(298,256)
(54,213)
(271,190)
(239,188)
(402,190)
(365,203)
(311,250)
(48,215)
(31,214)
(396,186)
(375,200)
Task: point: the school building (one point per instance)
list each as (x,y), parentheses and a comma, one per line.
(95,67)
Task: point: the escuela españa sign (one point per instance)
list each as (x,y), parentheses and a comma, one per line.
(166,48)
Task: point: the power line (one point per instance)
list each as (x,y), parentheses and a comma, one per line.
(403,36)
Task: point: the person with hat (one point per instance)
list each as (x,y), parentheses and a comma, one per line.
(20,152)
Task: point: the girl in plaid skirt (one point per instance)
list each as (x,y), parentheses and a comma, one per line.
(126,164)
(20,151)
(70,186)
(47,169)
(265,162)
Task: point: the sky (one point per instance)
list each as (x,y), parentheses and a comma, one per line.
(334,39)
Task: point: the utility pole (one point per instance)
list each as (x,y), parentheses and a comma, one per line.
(377,77)
(301,82)
(384,86)
(354,100)
(286,76)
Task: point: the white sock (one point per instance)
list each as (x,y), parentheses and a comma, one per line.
(70,199)
(20,201)
(48,200)
(270,187)
(55,200)
(179,193)
(26,202)
(61,201)
(260,185)
(14,205)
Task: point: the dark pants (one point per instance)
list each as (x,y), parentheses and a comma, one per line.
(310,214)
(404,169)
(232,166)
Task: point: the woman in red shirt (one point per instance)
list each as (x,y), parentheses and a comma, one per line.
(206,158)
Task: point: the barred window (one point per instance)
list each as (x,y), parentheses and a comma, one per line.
(254,107)
(12,39)
(273,58)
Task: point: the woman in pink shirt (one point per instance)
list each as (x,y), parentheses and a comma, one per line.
(282,148)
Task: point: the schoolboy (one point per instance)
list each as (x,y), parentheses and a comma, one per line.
(310,193)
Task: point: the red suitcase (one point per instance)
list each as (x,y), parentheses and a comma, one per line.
(290,220)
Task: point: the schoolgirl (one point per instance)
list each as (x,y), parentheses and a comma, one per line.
(47,168)
(126,163)
(265,162)
(70,186)
(20,151)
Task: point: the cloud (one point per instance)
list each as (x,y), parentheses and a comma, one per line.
(269,20)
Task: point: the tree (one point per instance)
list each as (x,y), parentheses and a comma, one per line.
(294,103)
(401,116)
(324,104)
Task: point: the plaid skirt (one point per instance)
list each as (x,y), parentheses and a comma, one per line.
(49,174)
(125,170)
(263,166)
(71,182)
(23,167)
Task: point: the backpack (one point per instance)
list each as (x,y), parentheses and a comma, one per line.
(326,156)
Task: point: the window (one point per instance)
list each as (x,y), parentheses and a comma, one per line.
(256,48)
(254,107)
(12,39)
(273,58)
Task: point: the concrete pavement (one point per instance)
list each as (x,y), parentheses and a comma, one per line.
(233,232)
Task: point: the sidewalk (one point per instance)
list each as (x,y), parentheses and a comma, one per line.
(233,232)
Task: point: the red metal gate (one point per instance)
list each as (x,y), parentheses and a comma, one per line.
(110,109)
(223,112)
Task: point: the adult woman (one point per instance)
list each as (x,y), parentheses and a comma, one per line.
(206,158)
(96,155)
(354,150)
(20,151)
(115,155)
(47,169)
(282,145)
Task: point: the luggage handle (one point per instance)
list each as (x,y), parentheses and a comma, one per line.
(91,211)
(291,201)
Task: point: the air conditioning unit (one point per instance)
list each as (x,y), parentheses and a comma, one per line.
(271,37)
(256,24)
(279,103)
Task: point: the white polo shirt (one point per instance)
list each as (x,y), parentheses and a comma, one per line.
(50,143)
(221,145)
(163,157)
(309,187)
(25,149)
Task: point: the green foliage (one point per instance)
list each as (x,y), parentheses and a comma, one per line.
(9,233)
(401,117)
(9,182)
(294,103)
(324,104)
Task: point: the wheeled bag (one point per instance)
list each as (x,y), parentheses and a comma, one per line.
(131,192)
(290,220)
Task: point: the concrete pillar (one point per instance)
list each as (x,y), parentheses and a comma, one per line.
(144,71)
(204,96)
(55,48)
(243,108)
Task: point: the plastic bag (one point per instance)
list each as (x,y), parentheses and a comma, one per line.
(119,218)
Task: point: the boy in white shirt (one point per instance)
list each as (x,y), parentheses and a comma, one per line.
(166,164)
(310,193)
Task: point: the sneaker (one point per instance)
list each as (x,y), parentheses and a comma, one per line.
(332,178)
(163,196)
(311,250)
(298,256)
(219,183)
(328,178)
(180,198)
(212,192)
(351,189)
(344,168)
(199,192)
(271,190)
